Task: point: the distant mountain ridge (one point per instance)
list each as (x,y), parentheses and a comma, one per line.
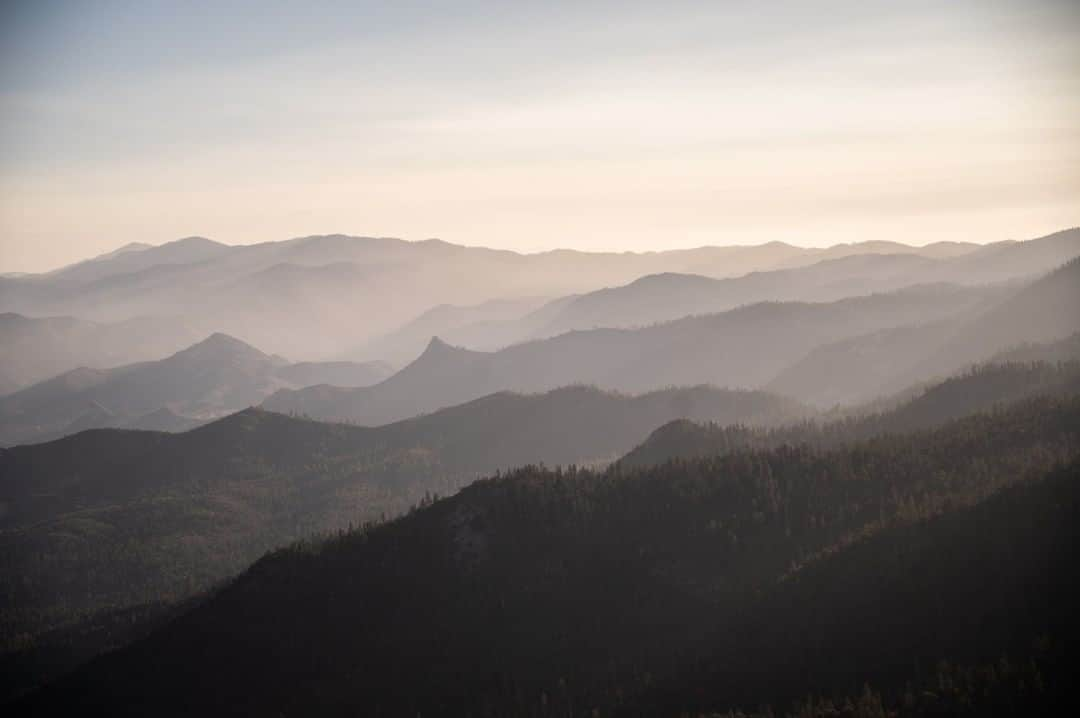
(859,368)
(740,348)
(216,376)
(327,292)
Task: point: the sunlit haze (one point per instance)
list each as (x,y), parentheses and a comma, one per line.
(596,126)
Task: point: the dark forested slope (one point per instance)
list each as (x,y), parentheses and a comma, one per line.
(551,592)
(111,518)
(994,586)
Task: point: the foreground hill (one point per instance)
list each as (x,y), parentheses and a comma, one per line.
(551,592)
(743,348)
(968,613)
(216,376)
(111,518)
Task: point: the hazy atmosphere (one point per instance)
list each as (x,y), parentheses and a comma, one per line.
(539,360)
(613,126)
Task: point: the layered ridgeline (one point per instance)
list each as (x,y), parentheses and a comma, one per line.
(327,293)
(850,350)
(744,347)
(862,367)
(981,388)
(111,518)
(308,290)
(663,297)
(746,578)
(216,376)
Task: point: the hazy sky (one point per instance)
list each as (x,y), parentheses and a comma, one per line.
(533,125)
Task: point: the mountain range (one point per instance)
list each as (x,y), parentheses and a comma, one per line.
(324,292)
(751,479)
(744,347)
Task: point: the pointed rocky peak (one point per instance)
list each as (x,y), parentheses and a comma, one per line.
(221,347)
(436,357)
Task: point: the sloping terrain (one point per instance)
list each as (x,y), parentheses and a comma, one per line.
(778,572)
(111,518)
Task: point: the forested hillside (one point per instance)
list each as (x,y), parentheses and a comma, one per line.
(108,519)
(980,388)
(550,592)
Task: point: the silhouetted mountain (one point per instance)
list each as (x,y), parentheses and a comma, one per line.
(744,347)
(557,592)
(982,388)
(859,368)
(111,518)
(216,376)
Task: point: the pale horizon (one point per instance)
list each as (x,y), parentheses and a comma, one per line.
(597,127)
(526,251)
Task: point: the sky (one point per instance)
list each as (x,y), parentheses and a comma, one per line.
(530,126)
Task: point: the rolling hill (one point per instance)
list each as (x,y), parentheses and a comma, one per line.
(213,377)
